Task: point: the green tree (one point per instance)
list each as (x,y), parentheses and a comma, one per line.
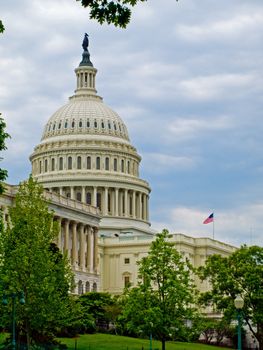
(2,28)
(31,262)
(101,307)
(162,303)
(240,273)
(3,136)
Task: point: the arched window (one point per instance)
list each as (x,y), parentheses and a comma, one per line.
(114,125)
(87,289)
(88,198)
(78,197)
(40,167)
(80,287)
(88,123)
(80,123)
(88,163)
(79,162)
(99,200)
(128,167)
(66,124)
(95,124)
(54,126)
(73,124)
(69,163)
(94,287)
(115,165)
(98,163)
(122,166)
(60,163)
(102,125)
(59,125)
(109,125)
(107,163)
(52,164)
(45,165)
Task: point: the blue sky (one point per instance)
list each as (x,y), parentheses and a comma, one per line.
(186,77)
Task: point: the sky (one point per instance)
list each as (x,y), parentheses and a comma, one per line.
(186,78)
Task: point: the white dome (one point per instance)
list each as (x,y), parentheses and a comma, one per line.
(85,116)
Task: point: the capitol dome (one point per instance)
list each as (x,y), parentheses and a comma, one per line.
(85,154)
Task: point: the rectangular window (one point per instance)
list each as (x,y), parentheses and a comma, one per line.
(126,260)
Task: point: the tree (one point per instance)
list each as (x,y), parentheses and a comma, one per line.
(31,263)
(240,273)
(101,307)
(2,28)
(3,136)
(162,303)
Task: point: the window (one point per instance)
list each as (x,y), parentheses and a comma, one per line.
(122,166)
(40,167)
(99,200)
(78,196)
(80,124)
(45,165)
(59,125)
(87,289)
(128,167)
(88,123)
(80,287)
(54,126)
(95,124)
(109,202)
(130,205)
(88,163)
(69,163)
(127,281)
(94,287)
(109,125)
(107,163)
(79,162)
(115,164)
(115,127)
(73,124)
(98,163)
(66,124)
(102,125)
(52,164)
(126,260)
(88,198)
(60,163)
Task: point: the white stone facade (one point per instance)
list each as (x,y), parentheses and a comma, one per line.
(90,172)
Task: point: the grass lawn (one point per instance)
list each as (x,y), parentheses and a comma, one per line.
(113,342)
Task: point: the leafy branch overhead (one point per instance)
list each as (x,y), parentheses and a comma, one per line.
(112,12)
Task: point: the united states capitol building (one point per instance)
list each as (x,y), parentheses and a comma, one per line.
(90,172)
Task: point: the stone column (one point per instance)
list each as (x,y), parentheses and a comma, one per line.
(66,239)
(105,209)
(83,194)
(82,247)
(74,245)
(140,206)
(61,191)
(134,204)
(116,202)
(126,202)
(95,249)
(144,207)
(89,250)
(72,194)
(147,208)
(59,220)
(94,197)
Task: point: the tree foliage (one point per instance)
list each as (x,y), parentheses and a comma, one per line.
(240,273)
(162,303)
(3,136)
(32,263)
(2,28)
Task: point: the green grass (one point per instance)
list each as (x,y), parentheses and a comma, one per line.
(112,342)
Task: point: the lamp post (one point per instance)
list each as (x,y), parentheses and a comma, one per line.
(13,297)
(239,303)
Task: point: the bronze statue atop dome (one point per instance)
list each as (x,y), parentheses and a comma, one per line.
(85,42)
